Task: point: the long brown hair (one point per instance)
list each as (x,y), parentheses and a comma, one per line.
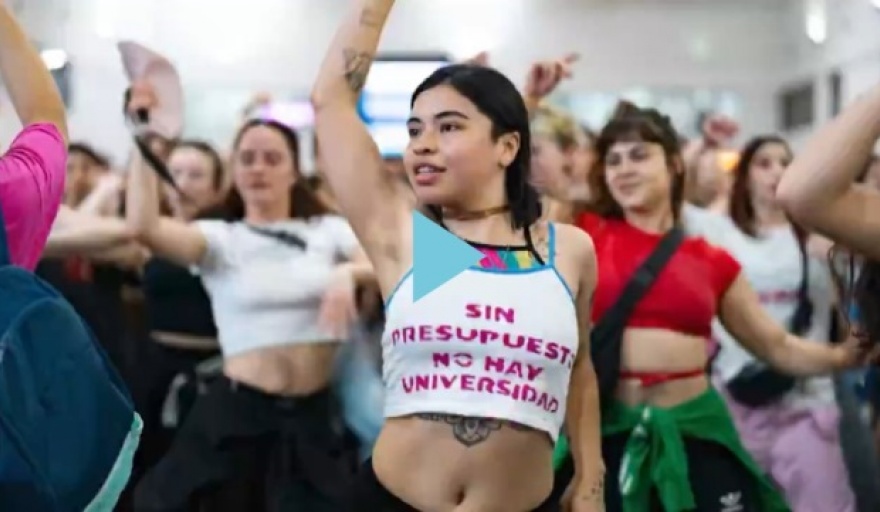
(627,123)
(742,208)
(304,202)
(218,169)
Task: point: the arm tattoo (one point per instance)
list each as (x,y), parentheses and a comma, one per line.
(470,430)
(357,66)
(596,492)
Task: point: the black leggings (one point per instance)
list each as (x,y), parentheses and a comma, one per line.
(369,495)
(244,450)
(718,480)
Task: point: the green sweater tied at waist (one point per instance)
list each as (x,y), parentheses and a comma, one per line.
(655,456)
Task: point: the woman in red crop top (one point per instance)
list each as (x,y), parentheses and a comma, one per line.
(663,396)
(467,159)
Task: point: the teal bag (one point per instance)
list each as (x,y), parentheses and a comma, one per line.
(68,429)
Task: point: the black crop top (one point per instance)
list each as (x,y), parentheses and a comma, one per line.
(176,301)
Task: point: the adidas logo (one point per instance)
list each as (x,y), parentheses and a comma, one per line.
(731,502)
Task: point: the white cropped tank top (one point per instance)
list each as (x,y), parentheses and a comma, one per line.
(495,341)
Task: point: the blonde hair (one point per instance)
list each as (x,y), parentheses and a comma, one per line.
(556,125)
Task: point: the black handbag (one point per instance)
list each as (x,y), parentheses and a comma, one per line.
(758,385)
(606,338)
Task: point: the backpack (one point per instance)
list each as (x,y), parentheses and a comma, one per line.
(68,429)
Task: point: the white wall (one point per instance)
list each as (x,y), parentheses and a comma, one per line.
(852,47)
(278,44)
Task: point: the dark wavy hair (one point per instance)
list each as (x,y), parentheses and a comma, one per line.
(742,210)
(631,123)
(496,97)
(304,202)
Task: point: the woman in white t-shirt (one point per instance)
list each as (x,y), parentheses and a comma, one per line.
(280,271)
(790,426)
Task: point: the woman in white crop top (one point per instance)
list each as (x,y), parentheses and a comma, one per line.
(469,424)
(793,434)
(280,271)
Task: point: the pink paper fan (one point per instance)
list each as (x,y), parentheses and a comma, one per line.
(141,63)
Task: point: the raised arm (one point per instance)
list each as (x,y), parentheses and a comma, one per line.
(350,160)
(169,238)
(30,86)
(819,188)
(744,317)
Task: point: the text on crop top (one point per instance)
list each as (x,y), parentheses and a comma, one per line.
(265,292)
(685,296)
(176,300)
(498,340)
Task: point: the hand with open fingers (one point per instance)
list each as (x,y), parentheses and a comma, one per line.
(339,305)
(545,76)
(142,97)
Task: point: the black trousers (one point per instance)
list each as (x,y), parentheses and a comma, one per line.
(718,481)
(160,364)
(369,495)
(244,450)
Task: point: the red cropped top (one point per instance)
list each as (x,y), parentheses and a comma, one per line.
(685,296)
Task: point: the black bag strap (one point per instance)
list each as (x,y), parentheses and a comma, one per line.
(284,237)
(804,290)
(607,335)
(639,284)
(802,319)
(138,122)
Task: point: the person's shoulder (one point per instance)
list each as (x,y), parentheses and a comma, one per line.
(722,262)
(588,221)
(574,240)
(329,221)
(214,223)
(700,221)
(42,143)
(40,133)
(216,230)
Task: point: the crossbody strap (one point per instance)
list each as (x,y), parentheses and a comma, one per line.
(284,237)
(802,319)
(137,125)
(639,283)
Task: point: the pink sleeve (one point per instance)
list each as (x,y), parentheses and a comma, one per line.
(31,186)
